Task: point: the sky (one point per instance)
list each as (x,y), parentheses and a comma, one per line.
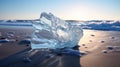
(65,9)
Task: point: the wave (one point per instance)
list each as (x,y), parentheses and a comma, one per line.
(100,25)
(93,24)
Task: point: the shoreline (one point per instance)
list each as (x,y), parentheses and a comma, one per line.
(93,41)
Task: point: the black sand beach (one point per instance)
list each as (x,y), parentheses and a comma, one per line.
(93,41)
(12,54)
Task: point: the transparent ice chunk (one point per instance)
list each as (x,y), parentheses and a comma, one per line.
(52,32)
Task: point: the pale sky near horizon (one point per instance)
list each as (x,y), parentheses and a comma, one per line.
(65,9)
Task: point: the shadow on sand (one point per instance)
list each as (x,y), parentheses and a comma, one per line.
(40,59)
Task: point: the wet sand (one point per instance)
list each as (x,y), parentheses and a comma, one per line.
(93,41)
(97,41)
(20,33)
(12,54)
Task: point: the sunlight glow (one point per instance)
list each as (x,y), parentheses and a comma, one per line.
(65,9)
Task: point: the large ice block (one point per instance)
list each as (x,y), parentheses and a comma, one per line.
(52,32)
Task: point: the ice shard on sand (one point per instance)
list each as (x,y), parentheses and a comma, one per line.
(52,32)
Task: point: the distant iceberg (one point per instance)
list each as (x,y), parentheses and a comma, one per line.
(52,32)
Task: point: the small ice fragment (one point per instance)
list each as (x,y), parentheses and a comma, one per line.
(10,34)
(5,41)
